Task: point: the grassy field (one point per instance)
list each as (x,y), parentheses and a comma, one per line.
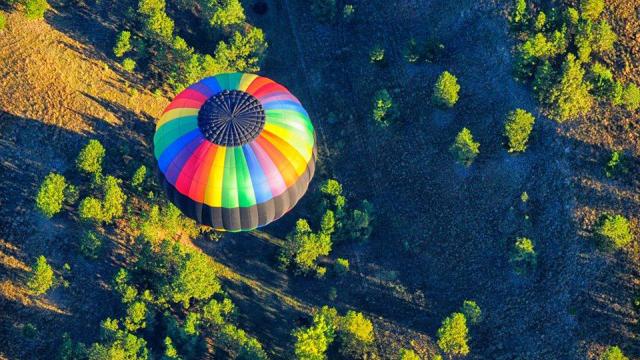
(442,232)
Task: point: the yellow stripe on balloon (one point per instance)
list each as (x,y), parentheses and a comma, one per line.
(213,193)
(295,158)
(246,80)
(296,139)
(176,113)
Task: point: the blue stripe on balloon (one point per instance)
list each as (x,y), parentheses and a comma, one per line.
(172,150)
(259,181)
(284,105)
(202,89)
(175,167)
(212,83)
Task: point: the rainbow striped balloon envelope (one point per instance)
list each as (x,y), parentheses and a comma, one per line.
(235,151)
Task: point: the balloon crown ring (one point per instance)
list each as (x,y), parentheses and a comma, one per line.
(231,118)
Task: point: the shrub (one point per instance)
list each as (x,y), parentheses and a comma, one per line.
(35,9)
(383,109)
(591,9)
(128,64)
(114,199)
(544,80)
(601,78)
(313,342)
(341,266)
(90,244)
(631,97)
(170,351)
(453,335)
(572,15)
(523,255)
(138,177)
(464,148)
(166,223)
(348,11)
(408,354)
(540,22)
(90,158)
(445,91)
(223,13)
(90,210)
(51,194)
(614,231)
(518,128)
(603,37)
(376,55)
(41,277)
(412,51)
(304,246)
(123,43)
(3,21)
(616,165)
(360,224)
(324,10)
(570,97)
(471,311)
(71,194)
(613,353)
(136,316)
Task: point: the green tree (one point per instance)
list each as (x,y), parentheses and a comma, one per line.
(603,37)
(41,277)
(408,354)
(544,80)
(540,22)
(170,352)
(613,353)
(570,97)
(216,312)
(118,344)
(376,55)
(616,165)
(128,64)
(614,231)
(631,97)
(453,335)
(90,244)
(445,90)
(123,43)
(304,246)
(328,224)
(114,199)
(465,148)
(90,158)
(90,210)
(222,13)
(51,194)
(383,109)
(136,316)
(471,311)
(312,343)
(3,21)
(356,334)
(341,266)
(35,9)
(518,128)
(138,177)
(523,255)
(519,11)
(591,9)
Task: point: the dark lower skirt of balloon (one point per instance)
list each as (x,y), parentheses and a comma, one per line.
(241,218)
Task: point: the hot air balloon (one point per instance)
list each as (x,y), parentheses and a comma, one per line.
(235,151)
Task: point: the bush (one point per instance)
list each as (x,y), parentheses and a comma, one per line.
(304,246)
(412,51)
(324,10)
(518,128)
(3,21)
(471,311)
(128,64)
(570,97)
(523,255)
(445,91)
(376,55)
(90,244)
(123,44)
(114,198)
(90,158)
(35,9)
(540,22)
(616,165)
(383,109)
(313,342)
(90,210)
(453,335)
(631,97)
(348,11)
(408,354)
(614,231)
(613,353)
(138,177)
(601,79)
(51,194)
(464,148)
(341,266)
(136,316)
(166,223)
(591,9)
(544,80)
(603,37)
(71,194)
(519,13)
(223,13)
(41,277)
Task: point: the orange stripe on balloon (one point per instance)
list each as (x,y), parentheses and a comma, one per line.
(183,183)
(285,168)
(295,158)
(257,84)
(201,176)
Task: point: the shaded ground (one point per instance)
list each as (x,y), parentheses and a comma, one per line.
(442,233)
